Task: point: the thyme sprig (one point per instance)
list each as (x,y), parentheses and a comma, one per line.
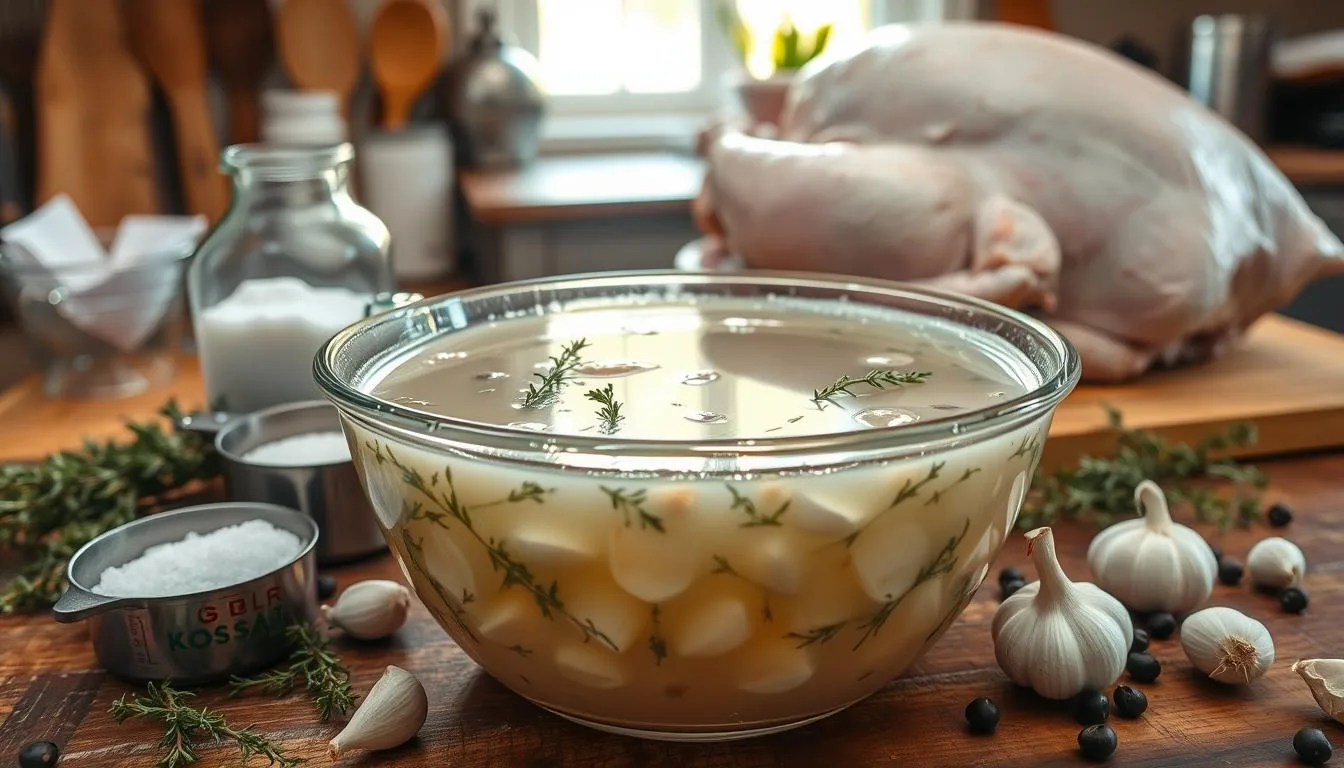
(877,379)
(1102,489)
(185,726)
(312,664)
(50,509)
(610,412)
(549,382)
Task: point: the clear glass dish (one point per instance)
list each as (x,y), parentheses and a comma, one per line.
(531,548)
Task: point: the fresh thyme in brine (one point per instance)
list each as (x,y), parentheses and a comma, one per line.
(877,379)
(548,384)
(610,412)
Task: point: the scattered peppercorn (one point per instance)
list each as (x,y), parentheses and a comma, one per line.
(1293,600)
(1010,588)
(326,586)
(1140,642)
(1161,625)
(1129,702)
(1097,742)
(1312,746)
(1011,573)
(1143,667)
(42,754)
(1230,571)
(982,715)
(1091,707)
(1279,515)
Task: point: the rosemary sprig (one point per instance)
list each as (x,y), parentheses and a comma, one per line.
(312,663)
(1102,489)
(548,384)
(610,412)
(50,509)
(877,379)
(184,725)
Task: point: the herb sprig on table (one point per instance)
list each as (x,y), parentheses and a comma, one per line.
(50,509)
(877,379)
(312,664)
(549,382)
(1102,489)
(185,726)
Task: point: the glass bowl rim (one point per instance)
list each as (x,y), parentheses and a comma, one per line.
(566,451)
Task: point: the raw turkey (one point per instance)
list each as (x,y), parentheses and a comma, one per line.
(1029,169)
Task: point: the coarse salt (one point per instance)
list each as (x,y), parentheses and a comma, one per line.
(221,558)
(301,451)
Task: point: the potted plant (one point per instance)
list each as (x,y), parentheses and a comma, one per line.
(763,88)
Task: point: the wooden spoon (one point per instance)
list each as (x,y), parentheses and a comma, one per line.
(406,47)
(319,46)
(168,37)
(241,44)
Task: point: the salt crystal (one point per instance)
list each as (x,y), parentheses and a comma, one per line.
(221,558)
(307,450)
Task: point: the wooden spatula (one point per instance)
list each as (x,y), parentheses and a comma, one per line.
(241,45)
(319,46)
(93,110)
(406,47)
(168,38)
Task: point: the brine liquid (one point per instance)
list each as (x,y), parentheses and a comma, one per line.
(722,368)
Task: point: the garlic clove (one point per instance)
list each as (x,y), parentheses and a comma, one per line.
(391,715)
(1325,680)
(1276,563)
(1227,645)
(369,610)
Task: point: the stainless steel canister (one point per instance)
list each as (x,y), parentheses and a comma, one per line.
(329,492)
(1228,68)
(197,638)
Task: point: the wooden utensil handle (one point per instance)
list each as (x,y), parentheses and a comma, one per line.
(198,155)
(396,110)
(244,116)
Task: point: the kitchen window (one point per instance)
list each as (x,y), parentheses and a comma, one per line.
(623,74)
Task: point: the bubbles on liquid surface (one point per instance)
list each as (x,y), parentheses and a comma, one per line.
(486,391)
(700,378)
(607,369)
(491,376)
(705,417)
(885,417)
(534,426)
(889,360)
(997,394)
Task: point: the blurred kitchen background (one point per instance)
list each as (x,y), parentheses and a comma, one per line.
(547,136)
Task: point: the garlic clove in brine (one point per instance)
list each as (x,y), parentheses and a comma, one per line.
(1276,563)
(1325,680)
(370,610)
(1152,563)
(1057,636)
(391,715)
(1227,645)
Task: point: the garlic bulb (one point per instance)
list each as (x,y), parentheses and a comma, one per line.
(391,715)
(1325,680)
(370,610)
(1152,563)
(1276,563)
(1058,636)
(1227,645)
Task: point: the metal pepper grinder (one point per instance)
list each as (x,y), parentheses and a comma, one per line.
(497,102)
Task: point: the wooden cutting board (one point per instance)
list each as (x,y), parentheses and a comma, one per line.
(1288,378)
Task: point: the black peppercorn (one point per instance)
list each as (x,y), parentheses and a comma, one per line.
(1091,707)
(1097,742)
(1143,667)
(1140,642)
(982,715)
(42,754)
(1011,573)
(1279,515)
(326,586)
(1230,572)
(1161,625)
(1293,600)
(1312,746)
(1129,702)
(1010,588)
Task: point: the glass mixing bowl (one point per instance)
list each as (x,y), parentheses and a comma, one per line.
(535,553)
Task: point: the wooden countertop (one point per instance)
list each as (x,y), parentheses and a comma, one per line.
(1309,166)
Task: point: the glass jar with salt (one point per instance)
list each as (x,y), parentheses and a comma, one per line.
(294,260)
